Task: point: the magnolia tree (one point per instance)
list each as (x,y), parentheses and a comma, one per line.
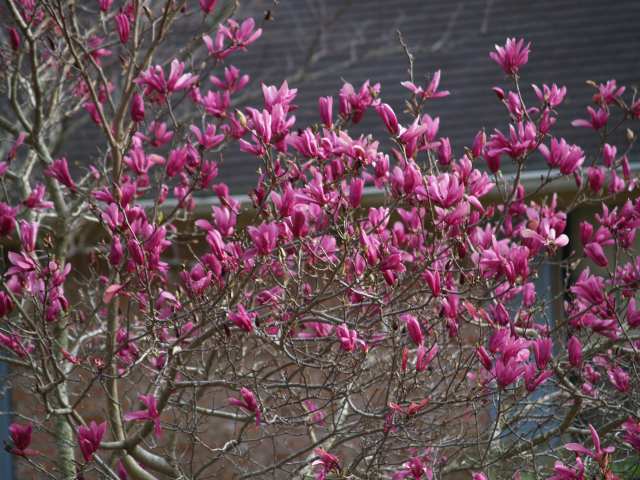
(304,334)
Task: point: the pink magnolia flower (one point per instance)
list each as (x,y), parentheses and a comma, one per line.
(232,82)
(425,357)
(533,379)
(325,105)
(155,82)
(105,5)
(608,154)
(123,26)
(632,433)
(7,218)
(542,350)
(598,453)
(608,93)
(151,414)
(216,103)
(598,119)
(21,438)
(325,464)
(242,319)
(207,138)
(137,108)
(574,348)
(89,438)
(507,372)
(59,170)
(594,251)
(564,472)
(247,402)
(415,468)
(619,378)
(238,36)
(353,104)
(568,158)
(513,55)
(13,151)
(595,175)
(14,38)
(552,96)
(388,116)
(414,329)
(317,416)
(207,5)
(431,91)
(28,235)
(349,340)
(264,237)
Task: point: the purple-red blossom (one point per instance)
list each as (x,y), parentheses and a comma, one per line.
(232,37)
(207,6)
(59,170)
(325,464)
(598,453)
(597,119)
(151,413)
(511,56)
(632,433)
(89,438)
(568,158)
(248,402)
(159,87)
(242,319)
(430,91)
(349,339)
(21,438)
(414,328)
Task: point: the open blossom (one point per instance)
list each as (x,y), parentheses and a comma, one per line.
(59,170)
(242,319)
(354,103)
(568,158)
(232,81)
(232,37)
(431,91)
(619,378)
(325,464)
(513,55)
(553,96)
(89,438)
(597,119)
(349,339)
(608,92)
(424,357)
(598,453)
(151,413)
(264,237)
(564,472)
(248,402)
(155,82)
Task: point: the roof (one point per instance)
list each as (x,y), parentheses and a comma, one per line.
(572,41)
